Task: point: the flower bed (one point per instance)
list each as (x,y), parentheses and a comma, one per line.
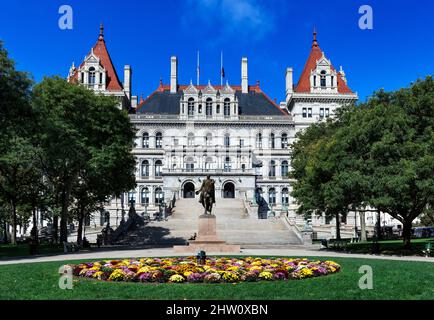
(215,270)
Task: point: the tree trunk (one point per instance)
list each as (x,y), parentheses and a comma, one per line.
(80,227)
(55,229)
(378,226)
(64,217)
(14,223)
(406,234)
(362,226)
(35,228)
(338,227)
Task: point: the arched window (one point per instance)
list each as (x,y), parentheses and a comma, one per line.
(146,140)
(259,141)
(208,139)
(190,139)
(159,140)
(284,141)
(227,141)
(272,168)
(92,75)
(158,196)
(227,107)
(208,164)
(145,168)
(285,197)
(209,107)
(227,164)
(323,78)
(272,196)
(190,164)
(191,107)
(158,168)
(272,141)
(285,169)
(144,196)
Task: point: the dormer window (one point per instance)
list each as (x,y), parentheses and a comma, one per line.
(227,107)
(92,75)
(209,107)
(323,79)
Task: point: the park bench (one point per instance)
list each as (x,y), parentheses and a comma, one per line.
(429,246)
(337,244)
(70,247)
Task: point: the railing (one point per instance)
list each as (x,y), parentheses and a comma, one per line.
(282,118)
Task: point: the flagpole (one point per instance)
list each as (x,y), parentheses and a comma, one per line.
(198,67)
(221,69)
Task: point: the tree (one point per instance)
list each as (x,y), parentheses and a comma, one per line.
(86,137)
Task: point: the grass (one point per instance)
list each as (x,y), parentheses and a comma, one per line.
(23,250)
(392,280)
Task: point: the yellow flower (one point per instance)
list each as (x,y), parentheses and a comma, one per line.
(98,274)
(266,275)
(118,274)
(187,273)
(176,278)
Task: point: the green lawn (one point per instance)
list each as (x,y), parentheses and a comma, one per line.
(392,280)
(392,247)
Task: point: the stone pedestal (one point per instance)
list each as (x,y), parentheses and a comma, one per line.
(207,239)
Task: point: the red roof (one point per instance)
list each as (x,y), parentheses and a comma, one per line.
(303,85)
(100,51)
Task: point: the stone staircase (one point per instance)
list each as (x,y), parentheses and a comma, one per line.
(234,226)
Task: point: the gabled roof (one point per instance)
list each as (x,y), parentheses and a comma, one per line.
(100,51)
(316,54)
(254,103)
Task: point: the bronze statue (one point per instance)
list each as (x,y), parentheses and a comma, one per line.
(207,194)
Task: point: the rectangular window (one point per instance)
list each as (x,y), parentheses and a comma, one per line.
(175,142)
(321,112)
(309,113)
(314,81)
(327,112)
(304,112)
(241,143)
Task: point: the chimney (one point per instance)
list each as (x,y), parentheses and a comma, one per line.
(134,102)
(173,75)
(244,76)
(289,83)
(127,81)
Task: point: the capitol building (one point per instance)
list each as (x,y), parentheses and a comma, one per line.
(231,131)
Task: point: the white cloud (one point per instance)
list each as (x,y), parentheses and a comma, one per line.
(229,18)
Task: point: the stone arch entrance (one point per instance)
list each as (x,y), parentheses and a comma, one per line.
(189,190)
(229,190)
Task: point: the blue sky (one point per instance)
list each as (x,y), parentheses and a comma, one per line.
(273,34)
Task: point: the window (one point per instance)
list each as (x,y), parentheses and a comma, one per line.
(92,75)
(159,196)
(200,109)
(284,141)
(272,141)
(327,112)
(208,163)
(309,112)
(145,140)
(285,197)
(100,78)
(145,168)
(175,142)
(272,172)
(314,81)
(272,196)
(321,112)
(132,197)
(158,169)
(304,112)
(227,141)
(208,139)
(241,143)
(259,141)
(284,169)
(191,107)
(190,165)
(243,168)
(333,80)
(323,79)
(227,164)
(218,109)
(190,139)
(209,107)
(227,107)
(159,140)
(145,196)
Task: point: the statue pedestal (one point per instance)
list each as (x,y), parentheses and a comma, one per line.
(207,239)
